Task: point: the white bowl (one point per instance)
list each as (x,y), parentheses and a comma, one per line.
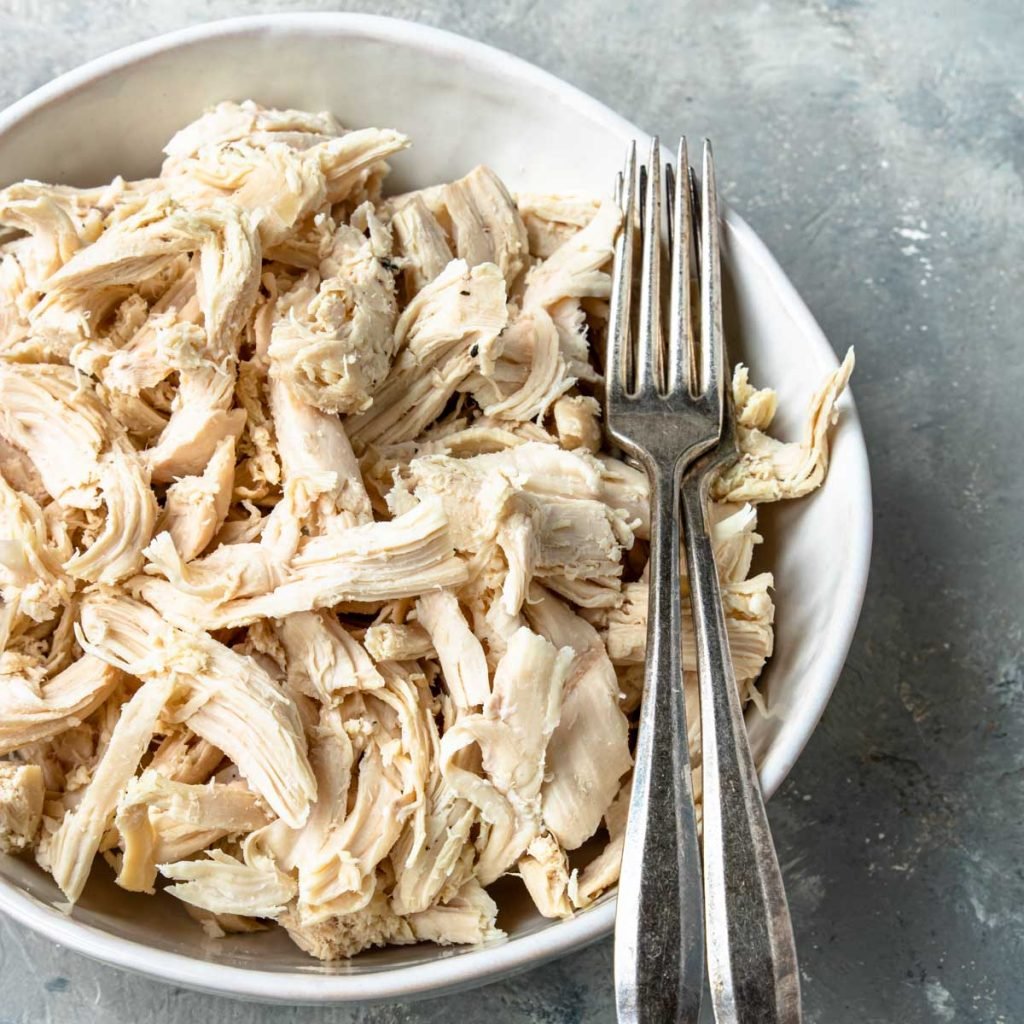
(462,103)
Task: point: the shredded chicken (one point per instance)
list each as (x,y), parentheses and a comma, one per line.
(31,711)
(233,702)
(225,885)
(195,507)
(71,849)
(160,820)
(22,792)
(589,752)
(485,223)
(392,641)
(422,245)
(450,329)
(771,470)
(323,600)
(334,337)
(552,220)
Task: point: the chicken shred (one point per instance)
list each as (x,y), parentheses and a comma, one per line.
(154,815)
(392,641)
(22,792)
(323,599)
(421,243)
(486,226)
(589,750)
(71,849)
(195,507)
(334,338)
(771,470)
(512,734)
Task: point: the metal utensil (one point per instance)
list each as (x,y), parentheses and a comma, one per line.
(670,407)
(751,954)
(652,414)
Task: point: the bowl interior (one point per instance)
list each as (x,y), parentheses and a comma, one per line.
(462,104)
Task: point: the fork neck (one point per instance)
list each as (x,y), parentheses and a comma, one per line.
(665,480)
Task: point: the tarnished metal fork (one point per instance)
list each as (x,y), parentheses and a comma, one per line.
(651,413)
(669,405)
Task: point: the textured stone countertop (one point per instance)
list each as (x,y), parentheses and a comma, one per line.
(878,148)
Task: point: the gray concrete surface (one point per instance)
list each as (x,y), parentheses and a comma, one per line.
(879,149)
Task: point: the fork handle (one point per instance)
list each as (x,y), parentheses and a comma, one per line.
(659,942)
(751,955)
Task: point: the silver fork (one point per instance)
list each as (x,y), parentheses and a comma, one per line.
(668,409)
(751,954)
(651,413)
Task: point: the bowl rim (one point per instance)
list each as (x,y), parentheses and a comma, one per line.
(469,967)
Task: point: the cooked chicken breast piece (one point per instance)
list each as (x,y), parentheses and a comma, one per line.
(485,224)
(84,460)
(32,578)
(196,506)
(324,660)
(421,243)
(544,869)
(31,712)
(258,474)
(589,751)
(74,845)
(55,418)
(449,329)
(53,236)
(195,430)
(340,877)
(116,550)
(734,536)
(280,173)
(229,122)
(603,871)
(352,162)
(312,443)
(227,279)
(184,757)
(575,270)
(19,472)
(551,220)
(391,641)
(458,650)
(338,852)
(377,561)
(512,734)
(575,544)
(467,918)
(171,338)
(226,885)
(21,805)
(233,703)
(547,378)
(156,818)
(345,935)
(322,486)
(578,422)
(433,858)
(334,338)
(771,470)
(149,241)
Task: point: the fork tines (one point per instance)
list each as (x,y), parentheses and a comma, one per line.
(643,359)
